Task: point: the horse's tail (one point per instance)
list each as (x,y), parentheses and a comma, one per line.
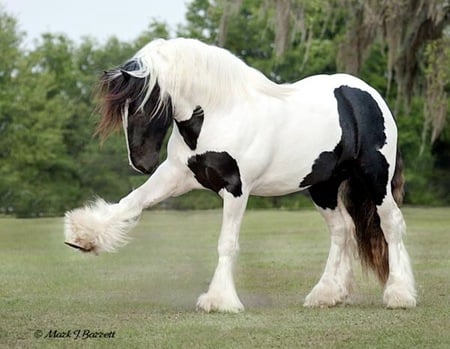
(398,181)
(372,246)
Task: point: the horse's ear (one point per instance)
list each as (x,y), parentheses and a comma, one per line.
(125,74)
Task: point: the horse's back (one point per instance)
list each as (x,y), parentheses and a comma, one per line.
(328,97)
(325,114)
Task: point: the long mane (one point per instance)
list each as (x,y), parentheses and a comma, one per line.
(206,75)
(178,69)
(118,90)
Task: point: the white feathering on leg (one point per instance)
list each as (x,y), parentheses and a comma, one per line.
(99,226)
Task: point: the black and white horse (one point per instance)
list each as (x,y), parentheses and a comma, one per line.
(238,134)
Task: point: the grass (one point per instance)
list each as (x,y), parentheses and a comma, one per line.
(146,292)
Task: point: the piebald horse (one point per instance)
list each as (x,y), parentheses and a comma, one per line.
(238,134)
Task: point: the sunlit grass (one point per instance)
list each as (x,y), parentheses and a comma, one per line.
(147,291)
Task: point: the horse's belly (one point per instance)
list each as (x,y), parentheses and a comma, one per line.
(283,178)
(293,152)
(276,186)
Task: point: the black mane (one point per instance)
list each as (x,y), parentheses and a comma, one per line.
(119,85)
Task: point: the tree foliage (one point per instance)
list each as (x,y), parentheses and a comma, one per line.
(49,161)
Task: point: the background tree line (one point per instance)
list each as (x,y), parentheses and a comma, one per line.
(49,161)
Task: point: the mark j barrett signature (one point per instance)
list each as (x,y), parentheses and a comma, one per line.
(76,334)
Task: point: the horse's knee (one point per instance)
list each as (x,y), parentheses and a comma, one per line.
(228,247)
(338,233)
(340,225)
(391,221)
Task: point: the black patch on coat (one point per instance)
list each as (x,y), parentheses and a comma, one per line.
(190,129)
(356,155)
(217,171)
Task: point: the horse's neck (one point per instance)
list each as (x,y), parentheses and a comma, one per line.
(195,95)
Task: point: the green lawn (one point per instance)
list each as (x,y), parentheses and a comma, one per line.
(146,292)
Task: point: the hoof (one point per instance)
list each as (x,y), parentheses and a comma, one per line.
(212,302)
(82,247)
(326,294)
(398,298)
(99,226)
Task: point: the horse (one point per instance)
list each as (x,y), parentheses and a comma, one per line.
(237,133)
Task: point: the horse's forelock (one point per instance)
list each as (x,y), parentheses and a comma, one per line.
(114,88)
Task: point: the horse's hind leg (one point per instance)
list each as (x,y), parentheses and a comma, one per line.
(400,289)
(222,295)
(336,284)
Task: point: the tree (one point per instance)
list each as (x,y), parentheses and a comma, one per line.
(406,27)
(10,56)
(49,161)
(36,164)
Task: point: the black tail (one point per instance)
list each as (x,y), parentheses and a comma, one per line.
(372,246)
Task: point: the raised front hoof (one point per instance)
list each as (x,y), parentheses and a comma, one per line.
(326,295)
(398,298)
(98,226)
(210,302)
(80,232)
(83,246)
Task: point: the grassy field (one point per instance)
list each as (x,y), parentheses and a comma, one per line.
(144,296)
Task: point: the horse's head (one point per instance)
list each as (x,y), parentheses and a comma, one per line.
(128,98)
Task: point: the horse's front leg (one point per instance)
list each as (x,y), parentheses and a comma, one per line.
(221,295)
(101,226)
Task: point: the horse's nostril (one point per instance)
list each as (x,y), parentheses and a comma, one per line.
(144,163)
